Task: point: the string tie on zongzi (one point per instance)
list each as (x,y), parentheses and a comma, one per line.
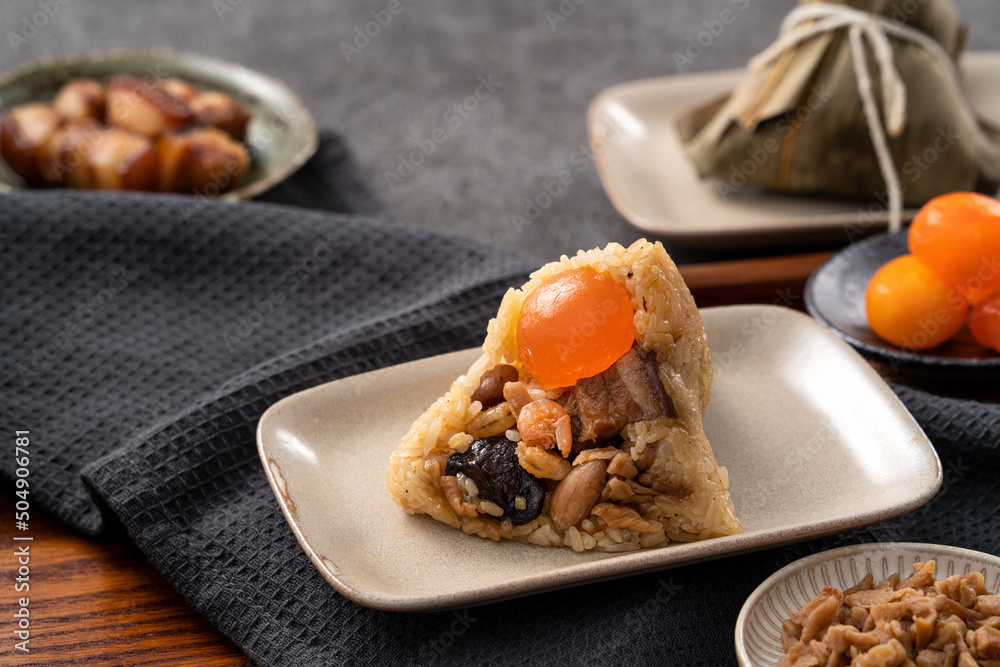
(814,19)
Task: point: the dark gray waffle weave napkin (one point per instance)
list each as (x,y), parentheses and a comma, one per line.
(143,337)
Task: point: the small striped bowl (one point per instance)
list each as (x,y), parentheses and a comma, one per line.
(758,628)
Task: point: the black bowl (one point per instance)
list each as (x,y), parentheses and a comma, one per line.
(835,295)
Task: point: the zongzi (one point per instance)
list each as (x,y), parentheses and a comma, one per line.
(581,423)
(857,99)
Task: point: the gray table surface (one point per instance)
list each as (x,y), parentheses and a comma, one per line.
(547,59)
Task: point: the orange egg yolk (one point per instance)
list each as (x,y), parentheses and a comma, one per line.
(574,325)
(957,236)
(984,322)
(909,306)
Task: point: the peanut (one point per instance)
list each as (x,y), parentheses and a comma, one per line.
(576,494)
(490,390)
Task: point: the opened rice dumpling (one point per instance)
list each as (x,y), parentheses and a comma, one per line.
(850,101)
(581,423)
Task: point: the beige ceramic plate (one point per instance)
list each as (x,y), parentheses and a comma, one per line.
(815,443)
(651,182)
(281,136)
(758,627)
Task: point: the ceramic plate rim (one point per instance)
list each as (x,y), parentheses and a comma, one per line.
(809,224)
(248,191)
(835,554)
(626,564)
(912,359)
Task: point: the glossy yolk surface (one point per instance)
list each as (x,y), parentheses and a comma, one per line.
(909,306)
(958,237)
(574,325)
(984,322)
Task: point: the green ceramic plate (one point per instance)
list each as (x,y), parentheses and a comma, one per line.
(281,136)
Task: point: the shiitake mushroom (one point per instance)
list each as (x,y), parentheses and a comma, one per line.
(492,464)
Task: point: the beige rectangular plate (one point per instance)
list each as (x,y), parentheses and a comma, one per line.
(651,182)
(815,443)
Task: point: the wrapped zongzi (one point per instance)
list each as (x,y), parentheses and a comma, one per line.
(856,99)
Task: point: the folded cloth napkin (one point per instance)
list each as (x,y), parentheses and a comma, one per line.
(142,338)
